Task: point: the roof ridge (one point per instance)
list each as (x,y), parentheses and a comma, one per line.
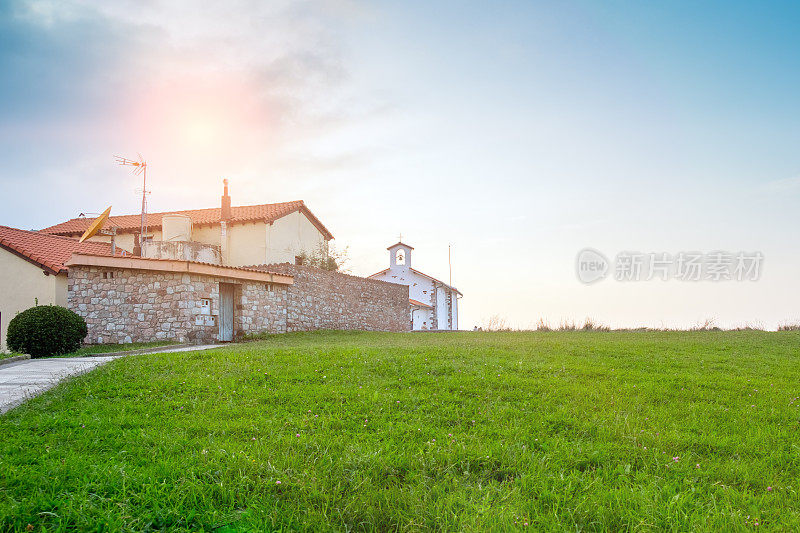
(40,233)
(166,259)
(434,279)
(240,214)
(422,274)
(216,208)
(45,250)
(185,210)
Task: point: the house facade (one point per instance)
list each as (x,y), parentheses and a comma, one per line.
(228,235)
(179,284)
(433,303)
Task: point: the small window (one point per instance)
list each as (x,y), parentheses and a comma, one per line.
(108,275)
(400,257)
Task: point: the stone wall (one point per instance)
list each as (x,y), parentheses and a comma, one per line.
(125,305)
(320,299)
(122,306)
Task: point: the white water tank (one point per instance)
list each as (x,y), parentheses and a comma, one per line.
(176,227)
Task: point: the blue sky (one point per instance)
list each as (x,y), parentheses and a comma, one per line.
(519,132)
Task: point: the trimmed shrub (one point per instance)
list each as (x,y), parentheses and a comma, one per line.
(46,330)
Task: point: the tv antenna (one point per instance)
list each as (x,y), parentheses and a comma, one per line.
(139,167)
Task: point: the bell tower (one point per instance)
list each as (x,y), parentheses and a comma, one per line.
(400,255)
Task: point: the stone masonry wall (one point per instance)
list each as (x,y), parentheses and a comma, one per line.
(320,299)
(123,306)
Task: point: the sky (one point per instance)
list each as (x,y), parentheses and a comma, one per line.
(515,133)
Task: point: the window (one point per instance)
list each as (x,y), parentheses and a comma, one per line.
(400,257)
(108,275)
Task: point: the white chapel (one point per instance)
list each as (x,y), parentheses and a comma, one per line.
(434,303)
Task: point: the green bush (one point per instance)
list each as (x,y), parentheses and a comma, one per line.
(46,330)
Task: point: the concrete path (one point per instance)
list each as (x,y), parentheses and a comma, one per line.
(23,380)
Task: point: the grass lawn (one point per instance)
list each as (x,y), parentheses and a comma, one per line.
(93,349)
(645,431)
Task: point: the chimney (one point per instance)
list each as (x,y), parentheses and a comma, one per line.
(225,214)
(137,245)
(224,217)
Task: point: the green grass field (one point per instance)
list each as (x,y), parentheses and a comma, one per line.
(644,431)
(97,349)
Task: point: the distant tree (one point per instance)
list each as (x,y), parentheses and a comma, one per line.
(326,257)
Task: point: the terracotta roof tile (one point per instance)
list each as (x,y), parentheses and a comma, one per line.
(417,303)
(48,251)
(240,214)
(83,255)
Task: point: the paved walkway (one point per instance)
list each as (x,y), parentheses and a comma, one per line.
(25,379)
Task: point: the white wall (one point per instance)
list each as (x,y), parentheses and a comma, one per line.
(251,243)
(422,319)
(207,234)
(246,244)
(455,310)
(21,283)
(289,236)
(124,240)
(442,309)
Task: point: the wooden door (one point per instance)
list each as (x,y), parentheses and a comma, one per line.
(225,312)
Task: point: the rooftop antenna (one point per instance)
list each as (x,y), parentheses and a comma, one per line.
(139,167)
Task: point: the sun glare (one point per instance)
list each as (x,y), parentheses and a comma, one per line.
(201,131)
(201,117)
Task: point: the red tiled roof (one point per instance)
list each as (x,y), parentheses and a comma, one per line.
(241,214)
(385,270)
(418,303)
(134,262)
(50,252)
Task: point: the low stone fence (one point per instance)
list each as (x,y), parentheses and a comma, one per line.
(123,305)
(320,299)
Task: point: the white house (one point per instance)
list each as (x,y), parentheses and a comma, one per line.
(434,303)
(226,235)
